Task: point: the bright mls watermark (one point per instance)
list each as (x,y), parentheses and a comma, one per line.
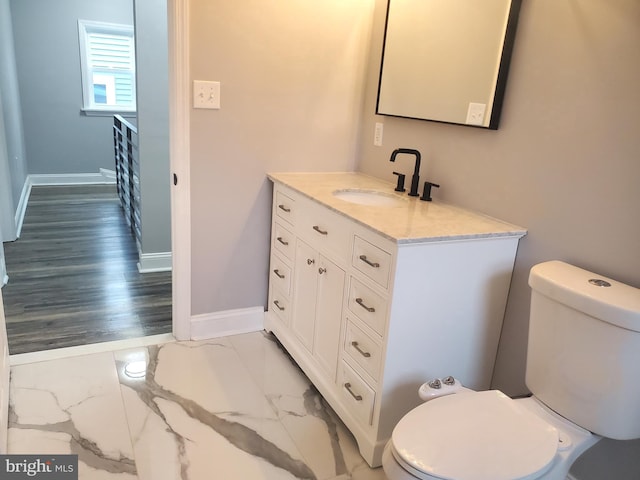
(38,467)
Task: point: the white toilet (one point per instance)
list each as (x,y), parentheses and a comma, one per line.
(583,365)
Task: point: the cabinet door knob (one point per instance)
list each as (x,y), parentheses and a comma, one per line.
(310,261)
(356,345)
(321,270)
(354,395)
(278,274)
(360,302)
(320,231)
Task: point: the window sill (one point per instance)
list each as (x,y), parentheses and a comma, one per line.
(88,112)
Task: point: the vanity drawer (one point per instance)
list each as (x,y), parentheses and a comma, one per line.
(284,241)
(356,394)
(326,231)
(285,207)
(367,305)
(279,304)
(374,262)
(363,350)
(280,275)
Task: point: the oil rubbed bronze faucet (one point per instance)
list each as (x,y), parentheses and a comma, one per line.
(415,179)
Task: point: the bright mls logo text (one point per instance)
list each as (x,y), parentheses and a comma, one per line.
(60,467)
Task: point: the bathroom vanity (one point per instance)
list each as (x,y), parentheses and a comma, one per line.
(373,292)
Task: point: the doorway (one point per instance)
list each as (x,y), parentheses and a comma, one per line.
(179,150)
(73,274)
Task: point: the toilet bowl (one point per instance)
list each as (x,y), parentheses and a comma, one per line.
(581,392)
(483,436)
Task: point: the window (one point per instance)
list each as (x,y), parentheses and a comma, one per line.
(107,61)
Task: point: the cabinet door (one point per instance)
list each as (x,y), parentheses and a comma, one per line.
(304,293)
(328,315)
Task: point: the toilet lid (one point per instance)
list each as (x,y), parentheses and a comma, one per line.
(474,436)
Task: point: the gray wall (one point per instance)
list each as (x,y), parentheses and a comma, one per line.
(564,163)
(609,459)
(15,169)
(152,75)
(7,224)
(291,78)
(58,138)
(7,210)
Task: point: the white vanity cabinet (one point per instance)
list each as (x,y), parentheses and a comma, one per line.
(319,287)
(299,265)
(377,300)
(282,254)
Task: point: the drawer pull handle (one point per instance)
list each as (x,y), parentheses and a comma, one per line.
(369,262)
(320,231)
(360,351)
(360,302)
(282,241)
(284,208)
(348,387)
(277,304)
(278,274)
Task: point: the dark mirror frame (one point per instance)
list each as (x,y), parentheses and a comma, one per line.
(501,79)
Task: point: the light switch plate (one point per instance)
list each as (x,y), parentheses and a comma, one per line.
(206,94)
(475,113)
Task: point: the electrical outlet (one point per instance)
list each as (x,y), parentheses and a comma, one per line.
(377,134)
(206,94)
(475,113)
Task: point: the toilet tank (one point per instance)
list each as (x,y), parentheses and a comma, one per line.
(583,357)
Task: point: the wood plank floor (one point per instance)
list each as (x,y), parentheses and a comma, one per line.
(73,277)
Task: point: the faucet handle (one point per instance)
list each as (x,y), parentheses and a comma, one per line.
(400,185)
(426,192)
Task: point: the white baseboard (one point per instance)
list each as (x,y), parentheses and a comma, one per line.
(155,262)
(108,174)
(229,322)
(21,210)
(72,179)
(4,278)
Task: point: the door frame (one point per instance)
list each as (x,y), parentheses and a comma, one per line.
(179,151)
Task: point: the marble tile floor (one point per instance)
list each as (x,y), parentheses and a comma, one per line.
(224,409)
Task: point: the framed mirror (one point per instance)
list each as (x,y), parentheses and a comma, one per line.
(447,60)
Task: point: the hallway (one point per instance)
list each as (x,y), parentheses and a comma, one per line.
(73,276)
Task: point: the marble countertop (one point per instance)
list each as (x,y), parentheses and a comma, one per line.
(409,220)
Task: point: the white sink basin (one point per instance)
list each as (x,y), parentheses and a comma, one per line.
(371,198)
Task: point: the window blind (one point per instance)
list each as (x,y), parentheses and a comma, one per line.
(108,53)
